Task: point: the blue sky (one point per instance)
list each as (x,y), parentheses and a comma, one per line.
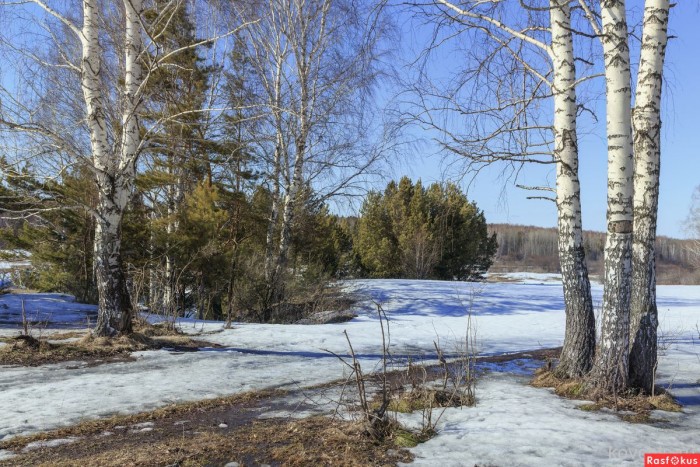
(680,170)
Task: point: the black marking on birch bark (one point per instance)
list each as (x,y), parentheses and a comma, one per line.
(622,227)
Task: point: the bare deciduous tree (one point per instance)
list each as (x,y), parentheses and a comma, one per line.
(529,59)
(611,367)
(627,353)
(113,66)
(315,64)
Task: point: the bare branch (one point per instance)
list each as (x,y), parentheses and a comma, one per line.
(517,34)
(56,15)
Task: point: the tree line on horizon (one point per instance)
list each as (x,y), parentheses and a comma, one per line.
(535,249)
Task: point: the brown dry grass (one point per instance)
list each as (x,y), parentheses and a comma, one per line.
(422,398)
(60,336)
(641,405)
(311,441)
(30,351)
(96,427)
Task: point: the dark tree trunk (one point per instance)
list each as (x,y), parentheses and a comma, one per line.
(578,352)
(114,306)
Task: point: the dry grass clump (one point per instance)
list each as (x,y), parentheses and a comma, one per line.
(65,335)
(425,398)
(27,350)
(320,441)
(638,407)
(569,388)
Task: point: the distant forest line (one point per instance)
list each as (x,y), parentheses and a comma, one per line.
(534,249)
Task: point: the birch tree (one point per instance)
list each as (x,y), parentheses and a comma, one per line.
(114,170)
(646,122)
(610,373)
(315,64)
(628,350)
(579,344)
(113,68)
(112,155)
(543,55)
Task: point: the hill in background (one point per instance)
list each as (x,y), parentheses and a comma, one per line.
(534,249)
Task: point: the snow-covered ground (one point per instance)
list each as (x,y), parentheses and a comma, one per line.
(511,423)
(44,311)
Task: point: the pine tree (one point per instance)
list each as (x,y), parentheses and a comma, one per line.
(413,232)
(60,239)
(178,156)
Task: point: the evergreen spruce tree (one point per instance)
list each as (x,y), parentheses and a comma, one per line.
(60,239)
(413,232)
(178,158)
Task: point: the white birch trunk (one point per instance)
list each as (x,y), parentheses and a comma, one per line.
(646,120)
(115,171)
(610,374)
(579,341)
(290,200)
(153,283)
(295,184)
(274,216)
(305,45)
(279,158)
(175,196)
(108,223)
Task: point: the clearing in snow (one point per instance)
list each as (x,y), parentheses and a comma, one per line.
(511,423)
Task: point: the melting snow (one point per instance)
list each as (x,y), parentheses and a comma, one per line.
(511,423)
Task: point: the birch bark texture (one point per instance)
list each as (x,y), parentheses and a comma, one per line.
(115,173)
(646,121)
(610,372)
(579,343)
(278,52)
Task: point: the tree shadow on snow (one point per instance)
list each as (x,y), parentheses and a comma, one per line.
(453,299)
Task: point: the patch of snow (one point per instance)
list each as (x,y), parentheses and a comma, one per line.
(5,265)
(515,424)
(5,454)
(142,425)
(17,252)
(44,311)
(510,423)
(48,444)
(142,430)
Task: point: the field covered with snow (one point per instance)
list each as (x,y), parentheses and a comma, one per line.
(512,423)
